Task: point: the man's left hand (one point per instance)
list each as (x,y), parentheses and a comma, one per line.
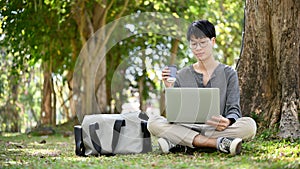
(220,122)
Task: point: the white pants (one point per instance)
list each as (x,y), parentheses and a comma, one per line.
(244,128)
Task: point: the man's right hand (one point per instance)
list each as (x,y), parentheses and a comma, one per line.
(165,75)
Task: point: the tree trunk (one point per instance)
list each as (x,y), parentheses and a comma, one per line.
(91,81)
(70,78)
(269,64)
(141,96)
(113,60)
(141,83)
(53,95)
(84,82)
(46,115)
(12,106)
(174,51)
(100,78)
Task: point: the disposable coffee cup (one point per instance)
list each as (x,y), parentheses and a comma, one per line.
(173,69)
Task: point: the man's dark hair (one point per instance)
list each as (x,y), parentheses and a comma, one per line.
(201,29)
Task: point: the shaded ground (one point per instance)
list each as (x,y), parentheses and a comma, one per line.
(57,151)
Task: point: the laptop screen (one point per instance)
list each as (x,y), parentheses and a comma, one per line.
(192,105)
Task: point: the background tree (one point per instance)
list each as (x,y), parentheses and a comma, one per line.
(41,41)
(90,16)
(33,32)
(269,65)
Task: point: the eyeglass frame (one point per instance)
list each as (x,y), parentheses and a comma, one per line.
(201,44)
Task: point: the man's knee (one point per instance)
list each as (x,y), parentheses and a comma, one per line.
(249,127)
(154,124)
(150,124)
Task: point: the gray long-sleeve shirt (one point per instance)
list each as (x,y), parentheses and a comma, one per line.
(225,78)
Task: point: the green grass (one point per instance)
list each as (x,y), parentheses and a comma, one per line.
(57,151)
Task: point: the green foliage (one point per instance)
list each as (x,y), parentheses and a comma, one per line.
(229,26)
(39,32)
(24,86)
(34,33)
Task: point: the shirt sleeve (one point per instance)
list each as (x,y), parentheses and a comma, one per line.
(232,105)
(176,84)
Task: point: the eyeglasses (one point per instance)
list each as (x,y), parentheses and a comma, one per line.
(194,45)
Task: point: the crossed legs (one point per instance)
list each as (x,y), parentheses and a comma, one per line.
(244,128)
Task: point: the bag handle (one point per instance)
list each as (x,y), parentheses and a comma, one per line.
(116,133)
(147,146)
(94,138)
(79,146)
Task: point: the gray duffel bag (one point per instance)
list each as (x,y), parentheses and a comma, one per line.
(109,134)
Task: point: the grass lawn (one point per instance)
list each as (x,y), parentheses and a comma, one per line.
(57,151)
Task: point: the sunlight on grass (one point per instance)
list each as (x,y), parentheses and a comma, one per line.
(56,151)
(10,134)
(283,151)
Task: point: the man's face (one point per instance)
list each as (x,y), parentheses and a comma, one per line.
(202,48)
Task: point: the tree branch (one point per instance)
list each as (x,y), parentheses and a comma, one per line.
(103,21)
(107,35)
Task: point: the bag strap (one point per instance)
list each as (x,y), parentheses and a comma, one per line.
(147,146)
(116,133)
(79,146)
(143,116)
(94,138)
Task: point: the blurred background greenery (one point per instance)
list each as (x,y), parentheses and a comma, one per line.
(41,40)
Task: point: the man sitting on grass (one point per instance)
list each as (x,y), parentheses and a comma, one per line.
(230,128)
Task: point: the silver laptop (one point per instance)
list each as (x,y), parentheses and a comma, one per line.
(192,105)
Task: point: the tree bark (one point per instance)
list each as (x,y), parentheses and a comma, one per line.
(141,84)
(12,106)
(141,96)
(70,77)
(46,114)
(269,64)
(174,51)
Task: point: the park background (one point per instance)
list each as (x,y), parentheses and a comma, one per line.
(41,41)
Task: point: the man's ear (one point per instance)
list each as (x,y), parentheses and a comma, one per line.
(213,40)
